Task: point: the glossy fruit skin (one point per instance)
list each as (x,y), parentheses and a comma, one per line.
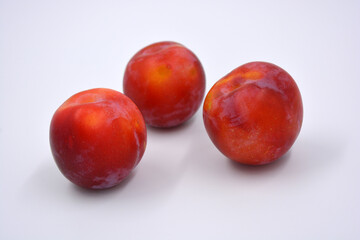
(167,82)
(97,137)
(254,114)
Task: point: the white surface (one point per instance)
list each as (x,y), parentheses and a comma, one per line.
(183,188)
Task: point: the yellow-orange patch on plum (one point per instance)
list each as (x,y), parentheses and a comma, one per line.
(90,118)
(224,80)
(208,102)
(160,74)
(78,100)
(207,106)
(253,75)
(89,98)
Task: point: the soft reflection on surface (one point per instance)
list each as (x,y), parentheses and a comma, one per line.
(181,127)
(260,169)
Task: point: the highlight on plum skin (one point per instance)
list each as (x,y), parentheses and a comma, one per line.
(97,137)
(167,82)
(254,114)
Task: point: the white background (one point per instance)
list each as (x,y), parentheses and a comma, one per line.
(183,188)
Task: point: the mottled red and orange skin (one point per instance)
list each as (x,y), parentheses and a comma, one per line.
(254,114)
(97,137)
(167,82)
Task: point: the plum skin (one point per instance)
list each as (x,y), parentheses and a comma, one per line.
(167,82)
(97,137)
(254,114)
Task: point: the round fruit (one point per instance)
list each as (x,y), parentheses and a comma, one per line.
(167,82)
(97,137)
(254,114)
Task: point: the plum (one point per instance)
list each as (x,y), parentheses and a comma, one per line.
(97,137)
(254,114)
(167,82)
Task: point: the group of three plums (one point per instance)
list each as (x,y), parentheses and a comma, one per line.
(252,115)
